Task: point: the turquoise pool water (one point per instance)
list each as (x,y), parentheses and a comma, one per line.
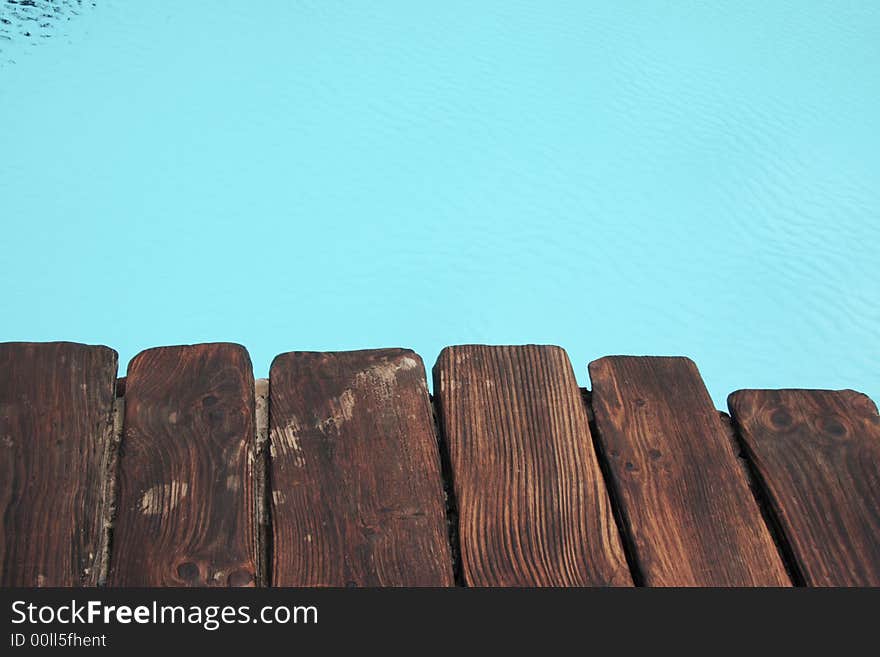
(698,178)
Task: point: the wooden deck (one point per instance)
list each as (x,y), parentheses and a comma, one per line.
(341,470)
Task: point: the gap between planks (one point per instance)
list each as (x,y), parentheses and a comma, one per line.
(262,483)
(762,499)
(111,474)
(626,541)
(448,495)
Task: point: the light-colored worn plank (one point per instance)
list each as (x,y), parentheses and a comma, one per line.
(357,496)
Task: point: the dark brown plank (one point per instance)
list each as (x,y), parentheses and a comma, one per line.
(533,509)
(684,499)
(357,497)
(186,502)
(818,455)
(56,407)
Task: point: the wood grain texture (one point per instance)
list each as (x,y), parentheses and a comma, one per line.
(357,496)
(56,406)
(684,499)
(818,455)
(533,509)
(186,502)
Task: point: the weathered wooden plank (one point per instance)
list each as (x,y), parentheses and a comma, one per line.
(818,455)
(56,425)
(186,502)
(357,497)
(684,499)
(533,509)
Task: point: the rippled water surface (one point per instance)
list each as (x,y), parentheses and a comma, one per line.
(693,178)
